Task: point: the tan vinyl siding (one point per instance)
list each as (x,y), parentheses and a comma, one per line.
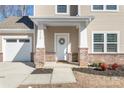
(47,10)
(85,10)
(0,43)
(44,10)
(49,37)
(105,21)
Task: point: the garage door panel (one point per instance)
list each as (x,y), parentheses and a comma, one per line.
(18,51)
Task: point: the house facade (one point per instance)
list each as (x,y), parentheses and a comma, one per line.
(73,33)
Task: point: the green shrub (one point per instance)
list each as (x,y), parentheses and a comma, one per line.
(96,64)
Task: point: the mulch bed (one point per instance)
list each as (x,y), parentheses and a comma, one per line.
(42,71)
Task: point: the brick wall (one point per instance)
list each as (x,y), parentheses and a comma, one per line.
(85,58)
(106,58)
(50,57)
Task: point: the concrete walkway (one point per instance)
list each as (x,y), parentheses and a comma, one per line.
(62,73)
(13,74)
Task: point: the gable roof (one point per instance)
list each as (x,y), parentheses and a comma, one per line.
(14,22)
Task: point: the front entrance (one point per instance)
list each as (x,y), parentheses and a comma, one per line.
(61,45)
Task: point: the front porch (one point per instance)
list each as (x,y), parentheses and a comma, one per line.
(61,39)
(57,50)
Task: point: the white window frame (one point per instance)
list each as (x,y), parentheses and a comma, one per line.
(105,41)
(34,10)
(104,9)
(68,8)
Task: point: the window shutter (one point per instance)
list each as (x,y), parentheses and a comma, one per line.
(73,10)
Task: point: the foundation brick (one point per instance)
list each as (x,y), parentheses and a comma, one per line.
(69,57)
(83,56)
(32,57)
(1,57)
(106,58)
(86,58)
(39,57)
(50,57)
(74,57)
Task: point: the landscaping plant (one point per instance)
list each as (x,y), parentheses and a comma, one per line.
(103,66)
(114,66)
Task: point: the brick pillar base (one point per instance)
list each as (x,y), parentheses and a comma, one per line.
(39,57)
(1,57)
(32,57)
(69,57)
(83,56)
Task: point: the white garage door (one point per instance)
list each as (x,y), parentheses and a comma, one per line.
(17,49)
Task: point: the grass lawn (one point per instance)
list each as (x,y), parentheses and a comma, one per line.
(90,78)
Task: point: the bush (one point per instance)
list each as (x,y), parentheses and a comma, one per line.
(114,66)
(104,66)
(95,65)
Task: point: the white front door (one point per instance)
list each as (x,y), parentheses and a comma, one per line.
(61,40)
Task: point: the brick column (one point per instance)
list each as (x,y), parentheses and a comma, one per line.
(1,57)
(39,58)
(83,56)
(83,46)
(69,57)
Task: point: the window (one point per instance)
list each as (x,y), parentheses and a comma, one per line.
(105,42)
(24,40)
(111,42)
(62,9)
(111,7)
(98,7)
(11,40)
(98,42)
(104,8)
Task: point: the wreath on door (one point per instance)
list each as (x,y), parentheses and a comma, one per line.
(61,41)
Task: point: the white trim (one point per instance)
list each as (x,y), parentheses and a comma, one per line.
(61,19)
(105,41)
(68,8)
(83,36)
(18,29)
(34,12)
(104,9)
(79,10)
(40,38)
(68,36)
